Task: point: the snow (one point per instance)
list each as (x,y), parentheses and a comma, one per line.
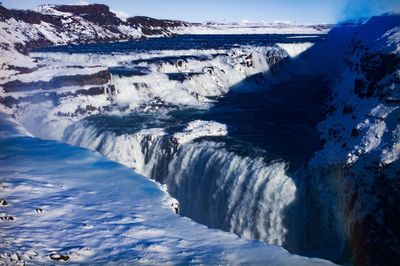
(393,40)
(10,34)
(79,206)
(46,73)
(392,154)
(294,49)
(249,28)
(49,10)
(121,14)
(199,128)
(374,119)
(212,76)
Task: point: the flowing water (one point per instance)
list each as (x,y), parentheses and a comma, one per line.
(254,180)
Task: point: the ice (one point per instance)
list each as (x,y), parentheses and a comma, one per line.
(372,119)
(199,128)
(250,28)
(294,49)
(392,154)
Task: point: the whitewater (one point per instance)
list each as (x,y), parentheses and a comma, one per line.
(191,113)
(154,116)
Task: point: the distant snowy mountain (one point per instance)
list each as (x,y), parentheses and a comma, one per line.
(252,28)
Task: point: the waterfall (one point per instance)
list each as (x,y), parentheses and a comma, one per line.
(223,190)
(246,193)
(214,186)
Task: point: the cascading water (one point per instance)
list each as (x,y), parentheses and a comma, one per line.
(230,186)
(223,190)
(214,186)
(231,174)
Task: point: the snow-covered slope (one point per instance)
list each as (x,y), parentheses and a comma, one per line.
(75,206)
(252,28)
(361,132)
(199,128)
(22,30)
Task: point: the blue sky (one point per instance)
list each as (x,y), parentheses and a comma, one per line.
(300,11)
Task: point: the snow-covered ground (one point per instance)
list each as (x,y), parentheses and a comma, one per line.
(361,131)
(252,28)
(199,128)
(62,203)
(364,116)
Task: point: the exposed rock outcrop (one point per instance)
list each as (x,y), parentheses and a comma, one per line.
(151,26)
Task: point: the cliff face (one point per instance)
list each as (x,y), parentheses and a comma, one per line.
(362,133)
(23,30)
(61,24)
(151,26)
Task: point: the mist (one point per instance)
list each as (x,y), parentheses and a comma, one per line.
(355,9)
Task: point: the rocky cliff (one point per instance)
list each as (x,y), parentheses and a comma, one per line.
(362,135)
(23,30)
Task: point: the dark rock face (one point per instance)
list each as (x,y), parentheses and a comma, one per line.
(28,16)
(374,66)
(99,14)
(151,26)
(374,238)
(372,190)
(59,257)
(107,26)
(55,97)
(8,101)
(99,78)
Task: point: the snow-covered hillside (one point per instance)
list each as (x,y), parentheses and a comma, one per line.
(22,30)
(362,136)
(252,28)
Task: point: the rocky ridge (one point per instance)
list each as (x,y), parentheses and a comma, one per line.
(24,30)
